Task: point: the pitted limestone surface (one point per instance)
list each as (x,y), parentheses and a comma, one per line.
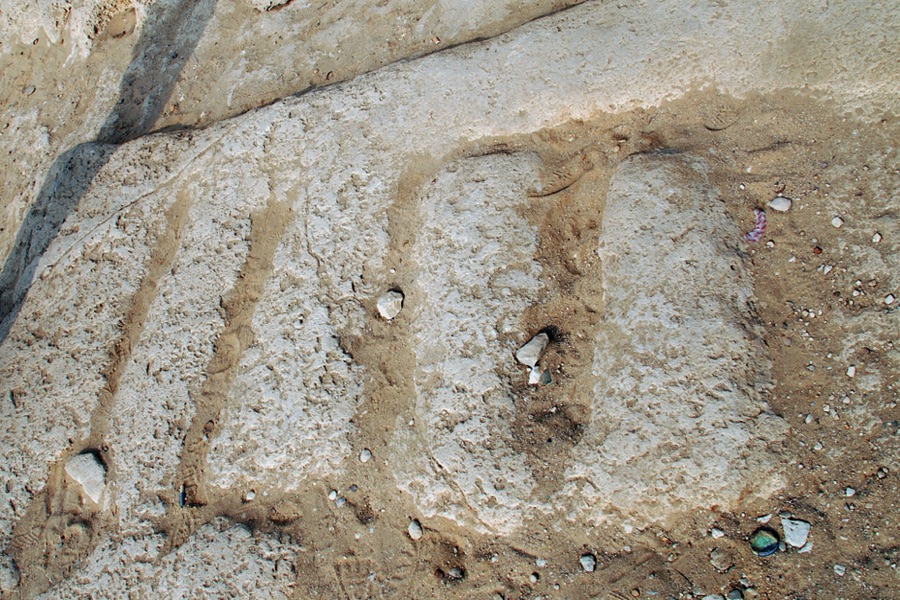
(476,275)
(677,420)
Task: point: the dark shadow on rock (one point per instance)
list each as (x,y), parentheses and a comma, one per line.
(170,34)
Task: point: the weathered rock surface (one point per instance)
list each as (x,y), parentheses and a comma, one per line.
(200,315)
(677,418)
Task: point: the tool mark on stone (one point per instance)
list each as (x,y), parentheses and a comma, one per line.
(267,228)
(45,545)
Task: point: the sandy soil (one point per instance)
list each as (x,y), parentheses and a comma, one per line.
(821,295)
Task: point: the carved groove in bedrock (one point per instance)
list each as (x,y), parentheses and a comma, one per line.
(476,276)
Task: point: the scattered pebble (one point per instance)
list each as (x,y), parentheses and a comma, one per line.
(30,90)
(796,532)
(530,353)
(851,371)
(850,492)
(541,562)
(780,204)
(876,238)
(365,455)
(721,559)
(588,562)
(534,376)
(826,269)
(735,595)
(837,222)
(332,495)
(889,299)
(716,533)
(764,541)
(390,304)
(90,473)
(415,530)
(764,519)
(840,570)
(249,496)
(714,597)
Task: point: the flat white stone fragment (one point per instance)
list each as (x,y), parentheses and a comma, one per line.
(415,530)
(889,299)
(876,238)
(390,304)
(851,371)
(588,563)
(840,570)
(795,532)
(90,473)
(837,222)
(530,353)
(780,204)
(365,456)
(806,548)
(534,376)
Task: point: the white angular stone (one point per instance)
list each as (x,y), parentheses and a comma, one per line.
(780,204)
(530,353)
(534,375)
(390,304)
(795,532)
(90,473)
(837,222)
(889,299)
(588,563)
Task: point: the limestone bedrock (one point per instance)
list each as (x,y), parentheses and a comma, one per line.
(196,310)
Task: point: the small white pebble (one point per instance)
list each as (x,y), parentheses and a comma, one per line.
(840,570)
(827,269)
(837,222)
(390,304)
(851,371)
(415,530)
(850,492)
(876,238)
(889,299)
(716,533)
(541,562)
(588,563)
(770,244)
(780,204)
(332,494)
(365,455)
(249,496)
(764,519)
